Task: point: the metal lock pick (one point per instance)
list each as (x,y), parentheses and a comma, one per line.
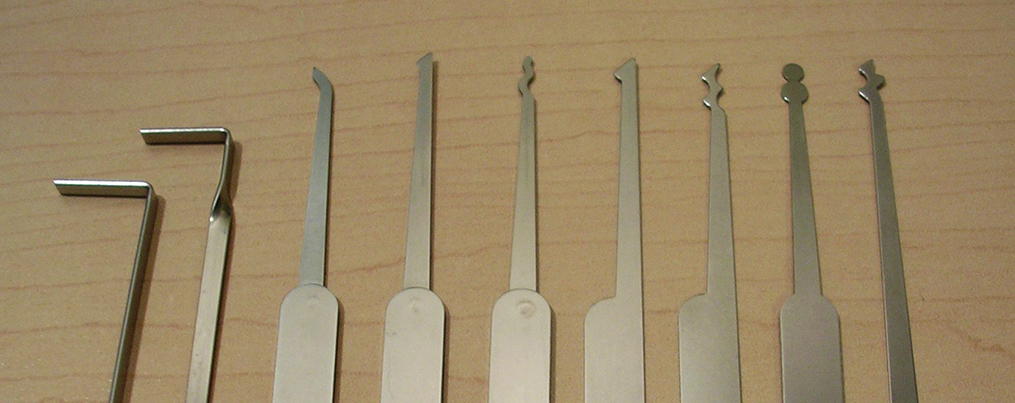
(614,327)
(901,369)
(413,362)
(522,319)
(101,188)
(809,324)
(308,320)
(709,348)
(220,225)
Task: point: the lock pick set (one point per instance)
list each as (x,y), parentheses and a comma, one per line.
(521,332)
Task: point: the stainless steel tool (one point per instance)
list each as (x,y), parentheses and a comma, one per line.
(219,226)
(102,188)
(901,370)
(308,319)
(709,346)
(413,362)
(811,344)
(614,327)
(520,332)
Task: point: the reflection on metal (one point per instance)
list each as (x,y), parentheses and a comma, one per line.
(520,332)
(102,188)
(308,320)
(901,370)
(811,344)
(709,348)
(219,226)
(614,327)
(413,363)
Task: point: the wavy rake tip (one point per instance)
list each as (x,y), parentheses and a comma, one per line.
(874,80)
(714,88)
(523,84)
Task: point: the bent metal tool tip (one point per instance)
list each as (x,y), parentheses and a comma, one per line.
(874,81)
(614,327)
(809,324)
(413,362)
(709,346)
(116,188)
(523,84)
(219,228)
(901,368)
(308,319)
(714,88)
(522,319)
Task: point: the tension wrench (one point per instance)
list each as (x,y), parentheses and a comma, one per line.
(413,362)
(709,348)
(308,318)
(102,188)
(219,227)
(614,327)
(521,323)
(901,369)
(809,323)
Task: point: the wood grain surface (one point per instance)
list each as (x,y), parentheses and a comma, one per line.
(79,78)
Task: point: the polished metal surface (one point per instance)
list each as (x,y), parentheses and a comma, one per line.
(219,227)
(523,243)
(102,188)
(809,324)
(614,327)
(308,318)
(901,370)
(413,362)
(418,233)
(315,230)
(709,346)
(520,332)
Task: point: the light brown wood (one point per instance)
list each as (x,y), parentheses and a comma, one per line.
(79,78)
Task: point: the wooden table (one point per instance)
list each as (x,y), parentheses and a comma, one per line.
(79,79)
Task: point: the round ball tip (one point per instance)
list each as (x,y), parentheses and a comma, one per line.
(793,72)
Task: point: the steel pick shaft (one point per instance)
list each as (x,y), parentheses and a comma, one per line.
(308,319)
(809,324)
(521,320)
(901,369)
(614,327)
(215,255)
(523,244)
(709,346)
(118,188)
(413,363)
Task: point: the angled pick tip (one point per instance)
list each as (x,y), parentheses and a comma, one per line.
(868,69)
(627,70)
(709,76)
(321,79)
(103,188)
(425,60)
